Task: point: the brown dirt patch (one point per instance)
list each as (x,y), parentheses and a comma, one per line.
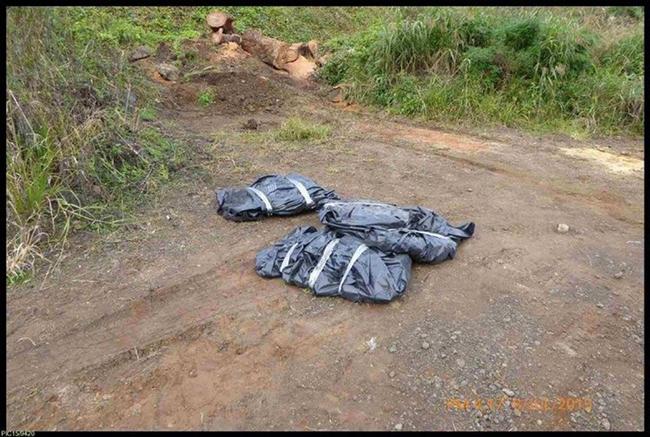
(394,132)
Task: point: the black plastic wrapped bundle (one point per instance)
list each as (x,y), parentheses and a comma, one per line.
(335,265)
(418,232)
(272,195)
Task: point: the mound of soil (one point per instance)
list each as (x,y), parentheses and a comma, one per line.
(235,92)
(240,83)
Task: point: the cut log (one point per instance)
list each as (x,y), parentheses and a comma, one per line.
(293,52)
(301,68)
(233,37)
(269,50)
(218,20)
(308,50)
(297,59)
(313,48)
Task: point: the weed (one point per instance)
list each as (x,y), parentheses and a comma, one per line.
(75,156)
(206,97)
(18,277)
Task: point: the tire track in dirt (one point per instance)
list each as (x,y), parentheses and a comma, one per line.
(105,348)
(139,293)
(139,322)
(278,344)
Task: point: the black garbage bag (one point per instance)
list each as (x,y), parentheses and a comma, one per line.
(272,195)
(416,231)
(335,265)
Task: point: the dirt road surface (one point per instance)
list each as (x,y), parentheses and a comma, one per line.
(165,325)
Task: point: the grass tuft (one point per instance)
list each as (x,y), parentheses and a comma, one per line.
(297,129)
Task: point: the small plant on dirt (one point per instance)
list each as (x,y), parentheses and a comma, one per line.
(297,129)
(206,98)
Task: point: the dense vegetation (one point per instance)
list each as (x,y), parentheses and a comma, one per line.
(576,71)
(80,155)
(69,125)
(126,26)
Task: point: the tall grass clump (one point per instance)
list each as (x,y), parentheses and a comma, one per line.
(297,129)
(524,67)
(74,149)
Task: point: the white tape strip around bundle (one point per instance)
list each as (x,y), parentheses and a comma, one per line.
(328,204)
(433,234)
(313,276)
(302,190)
(262,196)
(285,261)
(355,256)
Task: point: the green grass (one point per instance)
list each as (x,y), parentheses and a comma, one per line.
(19,277)
(76,154)
(522,67)
(131,26)
(297,129)
(148,113)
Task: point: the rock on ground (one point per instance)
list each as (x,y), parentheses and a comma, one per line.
(168,72)
(141,52)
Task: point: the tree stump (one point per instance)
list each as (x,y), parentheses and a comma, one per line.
(218,20)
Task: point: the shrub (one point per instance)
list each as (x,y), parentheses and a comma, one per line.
(477,32)
(626,55)
(521,34)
